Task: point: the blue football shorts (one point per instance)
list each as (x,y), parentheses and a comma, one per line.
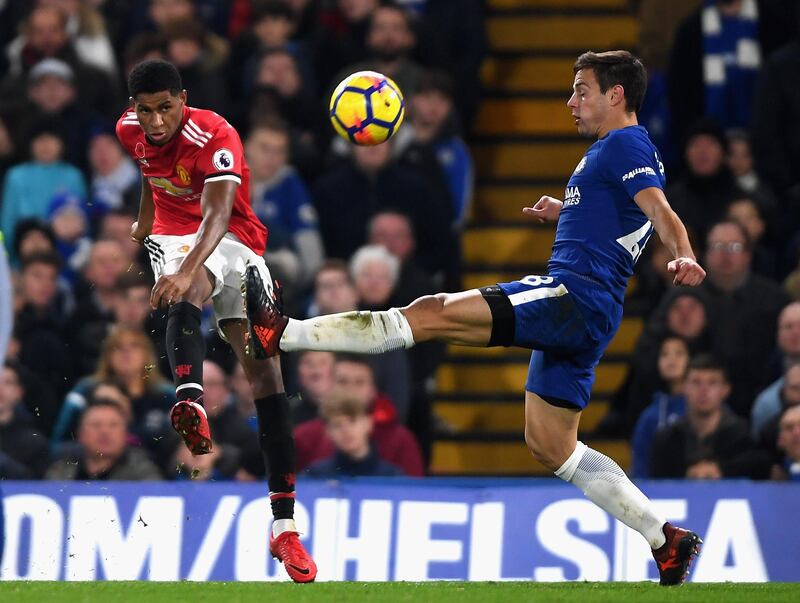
(567,322)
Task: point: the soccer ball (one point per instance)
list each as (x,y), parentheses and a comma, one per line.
(367,108)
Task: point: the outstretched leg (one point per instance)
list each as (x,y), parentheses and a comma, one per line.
(551,433)
(462,318)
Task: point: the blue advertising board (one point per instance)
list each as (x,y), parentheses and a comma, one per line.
(388,530)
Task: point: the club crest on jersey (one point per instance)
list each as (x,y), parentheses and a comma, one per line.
(183,174)
(580,166)
(223,159)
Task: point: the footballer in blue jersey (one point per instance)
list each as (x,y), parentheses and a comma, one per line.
(613,202)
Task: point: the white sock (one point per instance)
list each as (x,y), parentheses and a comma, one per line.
(606,485)
(358,332)
(279,526)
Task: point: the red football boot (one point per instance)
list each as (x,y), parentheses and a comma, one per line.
(189,419)
(288,549)
(675,556)
(265,321)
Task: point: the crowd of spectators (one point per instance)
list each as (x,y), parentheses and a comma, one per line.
(84,392)
(712,387)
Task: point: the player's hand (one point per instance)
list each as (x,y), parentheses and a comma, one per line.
(170,288)
(546,209)
(138,233)
(687,272)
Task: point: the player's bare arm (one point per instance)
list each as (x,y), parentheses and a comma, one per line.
(144,223)
(673,234)
(547,209)
(216,203)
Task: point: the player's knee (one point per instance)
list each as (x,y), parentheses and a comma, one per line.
(542,449)
(425,314)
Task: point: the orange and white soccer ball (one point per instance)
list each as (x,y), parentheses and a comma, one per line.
(367,108)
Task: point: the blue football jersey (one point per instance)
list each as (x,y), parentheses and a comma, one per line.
(601,231)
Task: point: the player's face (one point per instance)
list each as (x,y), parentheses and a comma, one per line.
(160,114)
(589,106)
(789,438)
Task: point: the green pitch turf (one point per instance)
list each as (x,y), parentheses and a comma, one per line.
(374,592)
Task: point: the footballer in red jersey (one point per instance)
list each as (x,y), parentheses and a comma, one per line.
(204,241)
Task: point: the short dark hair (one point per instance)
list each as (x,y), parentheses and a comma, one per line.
(436,81)
(707,362)
(335,265)
(42,257)
(617,67)
(152,76)
(273,123)
(272,9)
(355,359)
(29,225)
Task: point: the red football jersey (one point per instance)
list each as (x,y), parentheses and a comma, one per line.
(205,149)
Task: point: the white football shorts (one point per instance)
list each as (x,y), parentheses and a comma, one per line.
(226,264)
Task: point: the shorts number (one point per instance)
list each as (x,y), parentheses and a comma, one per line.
(535,281)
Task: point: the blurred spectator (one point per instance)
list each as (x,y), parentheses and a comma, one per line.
(430,141)
(229,428)
(40,402)
(701,196)
(220,464)
(39,323)
(653,280)
(348,424)
(750,215)
(200,64)
(272,27)
(341,39)
(31,236)
(348,195)
(374,272)
(742,165)
(746,308)
(776,124)
(142,47)
(116,225)
(334,291)
(787,350)
(683,312)
(353,377)
(667,406)
(768,403)
(709,442)
(282,202)
(657,23)
(86,27)
(115,179)
(70,222)
(29,187)
(766,434)
(394,231)
(128,360)
(45,35)
(96,293)
(104,453)
(315,383)
(716,54)
(789,442)
(23,448)
(390,43)
(278,91)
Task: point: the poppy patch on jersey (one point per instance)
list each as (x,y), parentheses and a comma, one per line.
(222,159)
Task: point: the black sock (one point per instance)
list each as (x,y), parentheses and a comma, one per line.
(186,350)
(277,445)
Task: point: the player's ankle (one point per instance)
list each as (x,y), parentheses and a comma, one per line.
(279,526)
